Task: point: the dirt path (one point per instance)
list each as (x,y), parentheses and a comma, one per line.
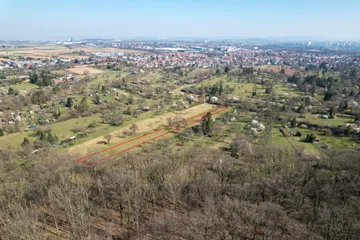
(143,127)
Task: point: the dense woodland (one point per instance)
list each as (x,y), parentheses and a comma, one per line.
(166,192)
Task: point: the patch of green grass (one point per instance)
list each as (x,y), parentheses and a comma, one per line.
(15,139)
(279,139)
(109,76)
(63,129)
(24,86)
(280,89)
(245,89)
(316,119)
(335,142)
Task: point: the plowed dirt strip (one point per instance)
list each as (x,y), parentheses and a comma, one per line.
(105,154)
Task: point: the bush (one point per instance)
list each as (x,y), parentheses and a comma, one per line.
(115,119)
(93,124)
(310,138)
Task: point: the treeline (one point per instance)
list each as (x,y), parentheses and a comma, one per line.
(329,86)
(166,192)
(44,78)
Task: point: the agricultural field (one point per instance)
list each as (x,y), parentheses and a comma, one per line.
(48,51)
(83,70)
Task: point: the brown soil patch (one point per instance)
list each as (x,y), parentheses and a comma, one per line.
(83,69)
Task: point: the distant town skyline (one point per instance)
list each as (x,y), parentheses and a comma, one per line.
(297,20)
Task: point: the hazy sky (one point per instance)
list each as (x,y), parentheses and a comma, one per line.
(328,19)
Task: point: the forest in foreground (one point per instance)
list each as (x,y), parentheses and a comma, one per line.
(164,192)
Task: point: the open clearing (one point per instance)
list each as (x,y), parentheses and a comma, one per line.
(288,70)
(144,126)
(24,86)
(341,119)
(84,69)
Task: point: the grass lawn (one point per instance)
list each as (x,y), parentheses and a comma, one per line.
(335,142)
(61,129)
(24,86)
(107,76)
(15,139)
(280,89)
(316,119)
(245,89)
(279,139)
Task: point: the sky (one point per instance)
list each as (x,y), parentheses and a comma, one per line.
(44,19)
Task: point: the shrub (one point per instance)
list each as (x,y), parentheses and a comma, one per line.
(310,138)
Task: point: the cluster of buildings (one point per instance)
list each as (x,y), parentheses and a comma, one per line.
(201,54)
(172,59)
(291,58)
(23,63)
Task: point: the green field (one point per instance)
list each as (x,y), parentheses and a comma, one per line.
(243,88)
(279,139)
(24,86)
(316,119)
(108,76)
(334,142)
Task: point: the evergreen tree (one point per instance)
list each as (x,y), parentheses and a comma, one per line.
(1,133)
(227,69)
(221,88)
(293,123)
(328,95)
(214,90)
(69,102)
(41,134)
(310,138)
(45,79)
(206,124)
(51,138)
(96,99)
(25,142)
(33,78)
